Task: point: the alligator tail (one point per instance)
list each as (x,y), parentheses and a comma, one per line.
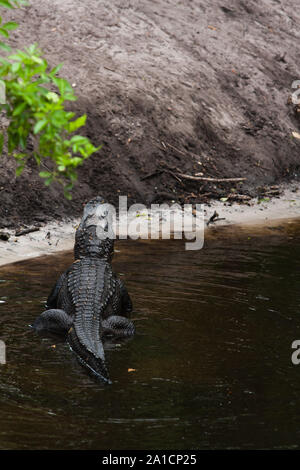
(89,353)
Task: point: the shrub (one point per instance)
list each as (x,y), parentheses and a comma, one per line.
(34,105)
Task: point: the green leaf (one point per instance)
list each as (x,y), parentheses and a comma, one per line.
(37,158)
(39,126)
(78,139)
(264,199)
(4,33)
(20,156)
(65,88)
(37,60)
(6,4)
(48,181)
(56,69)
(18,57)
(51,96)
(15,67)
(4,46)
(74,125)
(67,195)
(19,109)
(45,174)
(20,169)
(10,25)
(57,118)
(18,3)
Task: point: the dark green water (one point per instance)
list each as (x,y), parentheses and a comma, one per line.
(212,353)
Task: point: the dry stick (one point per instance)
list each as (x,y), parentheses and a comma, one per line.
(184,153)
(158,172)
(25,231)
(243,197)
(174,148)
(212,180)
(174,175)
(212,218)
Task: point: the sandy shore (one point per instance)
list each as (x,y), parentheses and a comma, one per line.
(54,237)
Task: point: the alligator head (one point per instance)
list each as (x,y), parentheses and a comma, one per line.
(95,235)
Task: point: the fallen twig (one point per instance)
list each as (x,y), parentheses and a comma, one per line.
(212,180)
(26,230)
(240,197)
(273,192)
(174,148)
(182,152)
(174,175)
(212,218)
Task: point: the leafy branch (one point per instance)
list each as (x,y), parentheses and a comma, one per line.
(34,104)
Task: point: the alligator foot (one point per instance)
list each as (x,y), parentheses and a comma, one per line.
(118,326)
(54,321)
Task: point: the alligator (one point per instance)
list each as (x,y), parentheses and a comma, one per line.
(89,302)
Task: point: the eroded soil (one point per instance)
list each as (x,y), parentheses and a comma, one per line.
(169,87)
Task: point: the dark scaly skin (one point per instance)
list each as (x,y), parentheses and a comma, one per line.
(88,300)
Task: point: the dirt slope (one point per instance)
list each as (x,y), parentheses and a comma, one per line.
(169,87)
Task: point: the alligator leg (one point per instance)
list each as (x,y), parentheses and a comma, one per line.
(126,304)
(54,321)
(117,326)
(53,296)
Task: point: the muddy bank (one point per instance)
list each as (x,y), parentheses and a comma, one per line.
(169,88)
